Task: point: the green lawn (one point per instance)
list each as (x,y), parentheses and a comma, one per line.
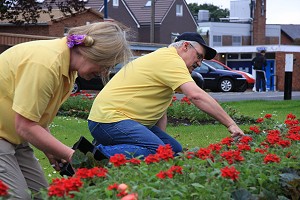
(69,129)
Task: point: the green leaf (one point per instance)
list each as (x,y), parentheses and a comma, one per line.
(197,185)
(241,194)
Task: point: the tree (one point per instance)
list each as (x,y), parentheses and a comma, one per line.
(28,11)
(215,12)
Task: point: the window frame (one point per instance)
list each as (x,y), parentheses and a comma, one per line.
(179,10)
(115,3)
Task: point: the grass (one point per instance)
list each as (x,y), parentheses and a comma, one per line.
(256,108)
(69,129)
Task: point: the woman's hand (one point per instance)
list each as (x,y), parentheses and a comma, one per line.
(56,163)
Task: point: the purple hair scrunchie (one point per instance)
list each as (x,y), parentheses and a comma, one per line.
(73,40)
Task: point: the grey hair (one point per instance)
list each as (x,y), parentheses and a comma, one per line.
(180,43)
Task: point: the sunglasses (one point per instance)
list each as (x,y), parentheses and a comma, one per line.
(199,55)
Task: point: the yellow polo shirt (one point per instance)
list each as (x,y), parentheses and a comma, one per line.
(142,90)
(34,82)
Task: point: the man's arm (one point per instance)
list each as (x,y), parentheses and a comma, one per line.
(206,103)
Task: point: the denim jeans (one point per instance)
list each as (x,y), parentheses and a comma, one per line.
(260,81)
(130,138)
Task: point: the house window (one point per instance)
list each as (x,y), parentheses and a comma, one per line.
(236,41)
(66,30)
(148,4)
(179,10)
(115,2)
(217,40)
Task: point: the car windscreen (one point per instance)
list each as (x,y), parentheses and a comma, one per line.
(214,64)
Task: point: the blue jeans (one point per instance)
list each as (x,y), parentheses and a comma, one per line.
(130,138)
(260,81)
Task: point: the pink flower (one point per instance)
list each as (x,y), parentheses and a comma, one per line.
(122,187)
(132,196)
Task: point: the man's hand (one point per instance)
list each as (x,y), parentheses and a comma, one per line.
(235,131)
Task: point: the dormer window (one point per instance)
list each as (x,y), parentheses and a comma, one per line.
(116,3)
(148,4)
(179,10)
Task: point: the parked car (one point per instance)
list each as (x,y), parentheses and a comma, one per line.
(218,65)
(82,84)
(218,80)
(97,84)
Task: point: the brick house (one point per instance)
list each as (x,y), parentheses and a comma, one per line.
(45,28)
(55,27)
(171,17)
(239,37)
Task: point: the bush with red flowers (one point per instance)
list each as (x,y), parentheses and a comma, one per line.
(3,190)
(263,164)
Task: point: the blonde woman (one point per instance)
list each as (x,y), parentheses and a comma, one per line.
(36,78)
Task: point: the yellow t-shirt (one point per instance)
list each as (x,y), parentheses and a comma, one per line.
(142,90)
(35,81)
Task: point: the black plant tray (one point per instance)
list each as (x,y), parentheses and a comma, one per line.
(84,146)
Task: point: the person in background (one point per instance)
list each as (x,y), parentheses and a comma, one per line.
(36,78)
(128,116)
(259,64)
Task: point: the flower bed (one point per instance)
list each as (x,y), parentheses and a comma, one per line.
(264,164)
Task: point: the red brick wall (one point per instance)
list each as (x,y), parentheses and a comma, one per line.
(272,40)
(259,23)
(246,40)
(285,40)
(26,30)
(226,40)
(53,29)
(57,28)
(280,71)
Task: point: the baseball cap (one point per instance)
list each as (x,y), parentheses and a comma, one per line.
(193,36)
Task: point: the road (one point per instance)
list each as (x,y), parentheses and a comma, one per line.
(240,96)
(249,95)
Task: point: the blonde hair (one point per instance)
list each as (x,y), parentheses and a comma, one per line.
(105,43)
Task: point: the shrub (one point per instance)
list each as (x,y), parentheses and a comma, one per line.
(180,111)
(77,105)
(264,164)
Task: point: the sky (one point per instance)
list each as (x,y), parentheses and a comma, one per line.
(278,11)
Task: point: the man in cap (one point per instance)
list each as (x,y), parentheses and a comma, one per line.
(129,115)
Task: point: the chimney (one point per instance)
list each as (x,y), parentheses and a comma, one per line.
(259,22)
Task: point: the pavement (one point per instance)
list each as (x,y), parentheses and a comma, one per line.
(250,95)
(239,96)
